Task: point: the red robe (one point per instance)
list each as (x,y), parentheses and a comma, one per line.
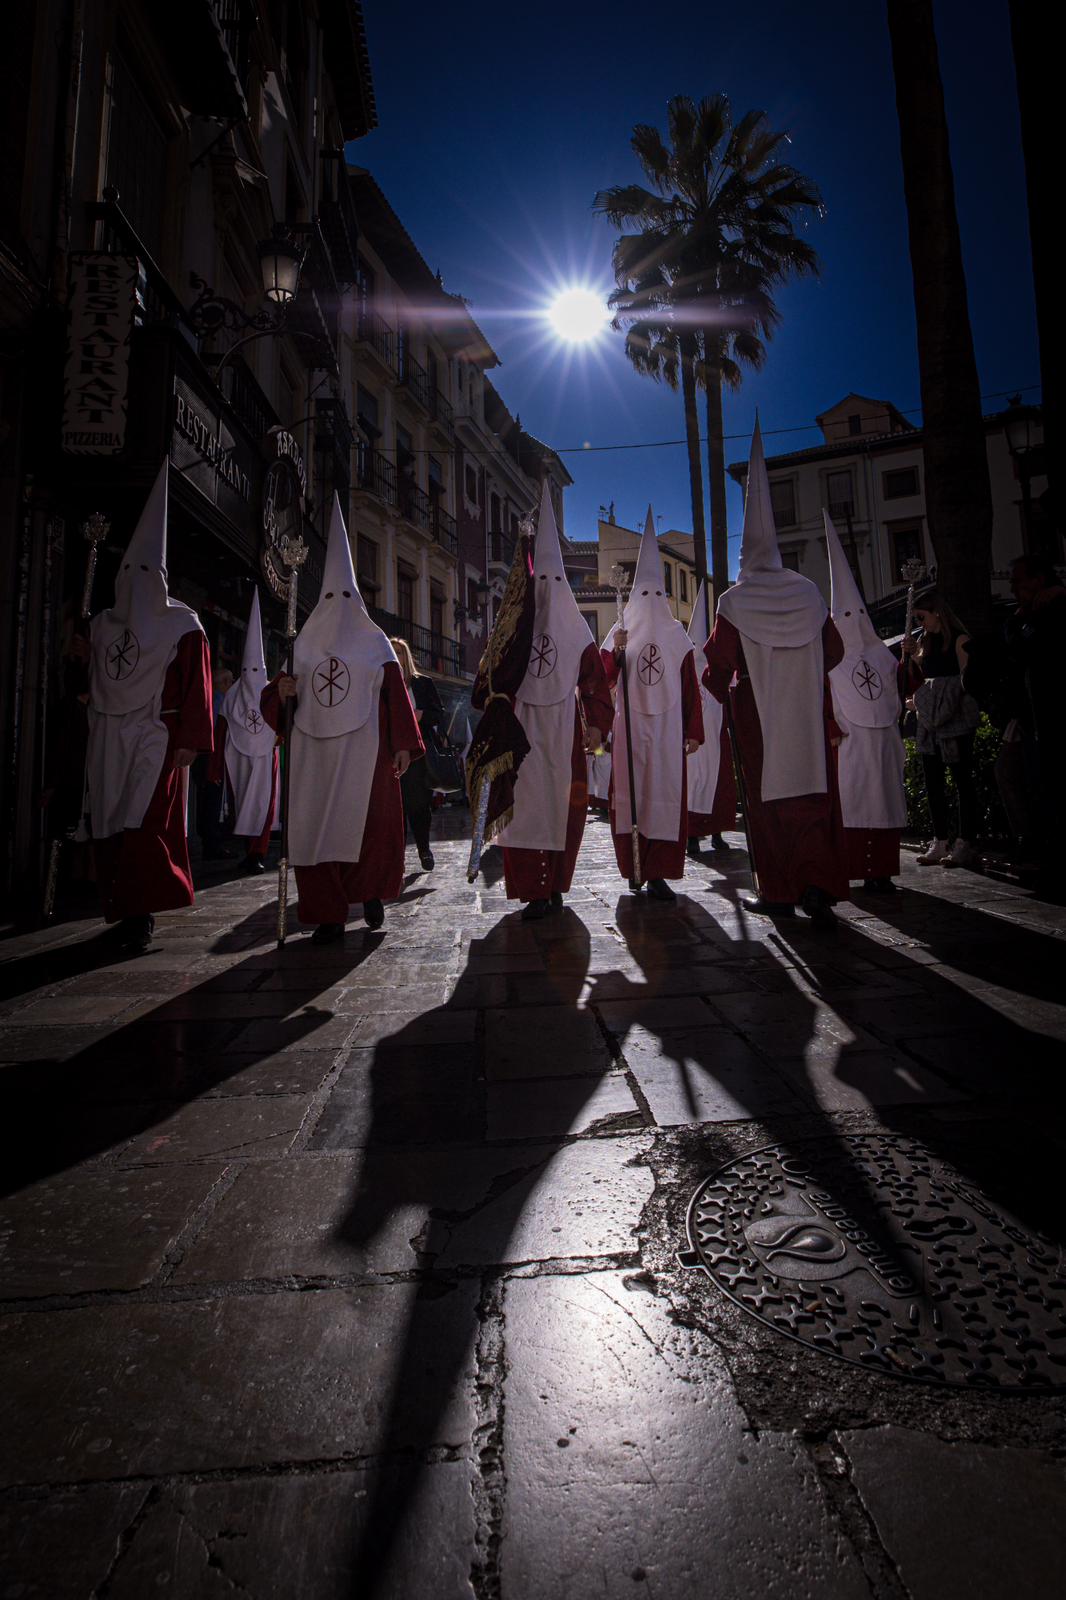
(146,869)
(874,852)
(216,773)
(661,858)
(798,843)
(536,874)
(327,890)
(724,813)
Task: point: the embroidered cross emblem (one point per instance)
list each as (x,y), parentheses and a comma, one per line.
(542,660)
(867,680)
(122,655)
(650,664)
(331,681)
(253,721)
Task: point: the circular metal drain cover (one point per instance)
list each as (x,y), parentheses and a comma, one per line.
(871,1248)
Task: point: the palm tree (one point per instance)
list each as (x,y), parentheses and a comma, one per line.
(958,494)
(714,234)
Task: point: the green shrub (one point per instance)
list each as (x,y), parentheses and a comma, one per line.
(991,818)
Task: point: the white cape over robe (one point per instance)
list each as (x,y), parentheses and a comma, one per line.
(546,701)
(249,753)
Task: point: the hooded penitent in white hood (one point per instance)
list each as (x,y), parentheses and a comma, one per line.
(866,705)
(656,647)
(339,662)
(545,703)
(779,616)
(133,644)
(704,762)
(249,737)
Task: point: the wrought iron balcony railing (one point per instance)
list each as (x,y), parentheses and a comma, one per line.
(431,650)
(501,549)
(445,530)
(375,473)
(372,330)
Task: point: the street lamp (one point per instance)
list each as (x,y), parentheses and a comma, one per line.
(280,261)
(1018,425)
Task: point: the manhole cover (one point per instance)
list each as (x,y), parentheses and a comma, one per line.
(873,1249)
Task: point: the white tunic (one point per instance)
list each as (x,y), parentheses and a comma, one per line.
(329,790)
(252,783)
(870,768)
(542,788)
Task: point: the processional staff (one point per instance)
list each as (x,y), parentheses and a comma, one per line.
(95,530)
(294,553)
(617,578)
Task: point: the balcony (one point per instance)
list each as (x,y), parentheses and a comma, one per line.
(375,474)
(413,376)
(501,550)
(842,510)
(445,530)
(372,331)
(415,505)
(206,43)
(431,650)
(315,313)
(337,216)
(441,411)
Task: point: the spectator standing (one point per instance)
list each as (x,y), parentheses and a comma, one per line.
(415,783)
(947,722)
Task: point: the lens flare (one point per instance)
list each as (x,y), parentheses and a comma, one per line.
(578,315)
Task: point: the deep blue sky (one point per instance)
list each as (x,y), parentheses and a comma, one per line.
(496,133)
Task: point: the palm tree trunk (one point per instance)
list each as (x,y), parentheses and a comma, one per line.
(716,470)
(687,344)
(958,495)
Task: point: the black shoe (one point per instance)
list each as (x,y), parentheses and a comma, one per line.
(253,864)
(134,934)
(719,845)
(373,913)
(879,886)
(659,889)
(634,886)
(692,849)
(535,910)
(555,904)
(426,860)
(328,932)
(819,907)
(768,908)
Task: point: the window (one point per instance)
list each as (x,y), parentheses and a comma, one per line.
(137,155)
(905,542)
(436,479)
(593,621)
(366,411)
(854,424)
(840,493)
(514,524)
(899,483)
(495,525)
(405,592)
(471,484)
(791,560)
(682,578)
(473,599)
(367,568)
(783,501)
(405,455)
(668,577)
(436,609)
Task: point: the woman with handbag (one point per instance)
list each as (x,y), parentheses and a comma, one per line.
(416,783)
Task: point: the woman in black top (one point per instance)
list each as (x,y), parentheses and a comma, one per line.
(417,793)
(941,653)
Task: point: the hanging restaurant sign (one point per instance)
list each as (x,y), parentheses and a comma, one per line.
(103,295)
(284,486)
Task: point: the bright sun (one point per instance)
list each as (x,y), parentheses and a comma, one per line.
(578,315)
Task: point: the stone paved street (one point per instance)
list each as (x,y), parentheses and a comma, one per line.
(360,1271)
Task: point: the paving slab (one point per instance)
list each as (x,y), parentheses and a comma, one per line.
(629,1462)
(535,1107)
(122,1390)
(962,1521)
(227,1127)
(557,1040)
(699,1075)
(402,1094)
(89,1230)
(299,1535)
(62,1544)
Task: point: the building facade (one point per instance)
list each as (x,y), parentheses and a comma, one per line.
(869,474)
(589,564)
(169,164)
